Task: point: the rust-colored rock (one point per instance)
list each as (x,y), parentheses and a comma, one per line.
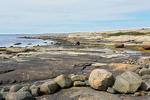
(146,45)
(119,45)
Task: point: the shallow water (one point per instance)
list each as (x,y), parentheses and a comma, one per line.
(7,40)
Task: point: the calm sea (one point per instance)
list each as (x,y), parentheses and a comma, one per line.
(7,40)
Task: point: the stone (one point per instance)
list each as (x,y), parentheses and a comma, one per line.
(79,83)
(25,88)
(15,88)
(49,87)
(63,81)
(146,45)
(101,79)
(35,92)
(5,89)
(111,90)
(19,96)
(144,71)
(119,45)
(128,82)
(79,77)
(145,86)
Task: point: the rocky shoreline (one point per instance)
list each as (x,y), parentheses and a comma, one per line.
(116,67)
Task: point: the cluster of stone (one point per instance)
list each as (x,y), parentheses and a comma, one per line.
(99,79)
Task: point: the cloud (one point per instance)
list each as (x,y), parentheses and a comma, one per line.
(35,15)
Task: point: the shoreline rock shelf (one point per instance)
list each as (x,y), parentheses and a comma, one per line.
(99,79)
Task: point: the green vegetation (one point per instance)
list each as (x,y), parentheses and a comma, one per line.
(127,33)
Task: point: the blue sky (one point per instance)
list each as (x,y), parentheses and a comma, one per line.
(43,16)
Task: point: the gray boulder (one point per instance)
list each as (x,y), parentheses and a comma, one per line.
(78,77)
(101,79)
(144,71)
(63,81)
(15,88)
(128,82)
(5,89)
(49,87)
(35,90)
(111,90)
(19,96)
(79,83)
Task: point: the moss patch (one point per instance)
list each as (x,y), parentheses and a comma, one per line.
(128,33)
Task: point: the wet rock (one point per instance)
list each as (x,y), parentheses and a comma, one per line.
(79,83)
(49,87)
(63,81)
(111,90)
(101,79)
(128,82)
(144,71)
(78,77)
(119,45)
(19,96)
(145,85)
(146,45)
(15,88)
(25,88)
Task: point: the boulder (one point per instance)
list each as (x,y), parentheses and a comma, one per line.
(78,77)
(49,87)
(19,96)
(145,86)
(101,79)
(111,90)
(15,88)
(25,88)
(35,92)
(79,83)
(63,81)
(119,45)
(5,89)
(146,45)
(144,71)
(77,43)
(128,82)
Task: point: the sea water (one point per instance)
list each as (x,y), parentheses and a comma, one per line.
(7,40)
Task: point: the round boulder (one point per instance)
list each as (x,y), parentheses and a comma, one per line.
(119,45)
(49,87)
(128,82)
(101,79)
(63,81)
(146,45)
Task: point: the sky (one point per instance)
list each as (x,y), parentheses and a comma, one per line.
(59,16)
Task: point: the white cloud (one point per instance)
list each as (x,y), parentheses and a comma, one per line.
(31,13)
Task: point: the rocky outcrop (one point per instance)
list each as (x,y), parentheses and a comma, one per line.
(128,82)
(101,79)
